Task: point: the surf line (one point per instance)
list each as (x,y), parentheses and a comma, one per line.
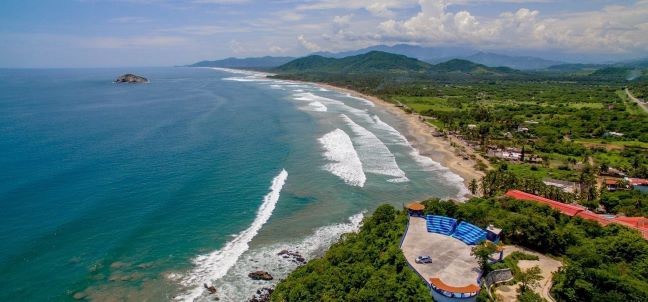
(215,265)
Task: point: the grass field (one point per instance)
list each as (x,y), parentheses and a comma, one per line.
(421,104)
(586,105)
(631,106)
(611,145)
(530,171)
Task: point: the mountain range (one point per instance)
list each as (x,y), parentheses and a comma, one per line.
(252,63)
(431,55)
(377,62)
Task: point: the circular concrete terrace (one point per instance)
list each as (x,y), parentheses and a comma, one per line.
(451,259)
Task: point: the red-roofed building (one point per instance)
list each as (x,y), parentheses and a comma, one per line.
(612,184)
(638,223)
(589,215)
(567,209)
(638,182)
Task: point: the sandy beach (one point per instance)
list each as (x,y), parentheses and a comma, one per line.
(420,135)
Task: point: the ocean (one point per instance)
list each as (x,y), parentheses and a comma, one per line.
(148,191)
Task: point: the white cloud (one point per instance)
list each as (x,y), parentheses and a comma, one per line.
(310,46)
(237,47)
(277,49)
(614,29)
(375,7)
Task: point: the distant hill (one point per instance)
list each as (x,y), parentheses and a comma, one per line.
(376,62)
(468,67)
(515,62)
(259,62)
(373,61)
(639,63)
(575,67)
(618,73)
(428,54)
(434,55)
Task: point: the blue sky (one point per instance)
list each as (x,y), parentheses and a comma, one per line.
(105,33)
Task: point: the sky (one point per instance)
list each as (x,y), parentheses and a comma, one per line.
(116,33)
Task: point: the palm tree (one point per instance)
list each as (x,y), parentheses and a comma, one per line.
(473,186)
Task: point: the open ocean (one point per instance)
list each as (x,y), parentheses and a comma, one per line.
(145,192)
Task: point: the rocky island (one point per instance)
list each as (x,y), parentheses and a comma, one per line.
(131,78)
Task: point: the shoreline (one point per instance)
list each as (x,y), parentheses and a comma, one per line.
(419,134)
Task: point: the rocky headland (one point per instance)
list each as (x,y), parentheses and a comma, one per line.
(131,78)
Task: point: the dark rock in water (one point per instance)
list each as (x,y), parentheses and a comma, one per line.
(210,288)
(260,275)
(131,78)
(263,295)
(296,257)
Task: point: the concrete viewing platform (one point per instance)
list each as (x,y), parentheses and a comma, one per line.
(451,259)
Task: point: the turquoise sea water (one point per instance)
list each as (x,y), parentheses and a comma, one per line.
(148,191)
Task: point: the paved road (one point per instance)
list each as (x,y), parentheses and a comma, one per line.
(641,104)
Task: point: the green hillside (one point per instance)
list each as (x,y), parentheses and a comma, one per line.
(378,62)
(375,61)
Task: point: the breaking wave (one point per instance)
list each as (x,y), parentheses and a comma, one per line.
(216,264)
(365,101)
(424,161)
(376,157)
(316,106)
(237,286)
(345,162)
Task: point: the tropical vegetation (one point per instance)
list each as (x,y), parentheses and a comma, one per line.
(600,263)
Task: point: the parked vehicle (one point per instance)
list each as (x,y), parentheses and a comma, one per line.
(423,259)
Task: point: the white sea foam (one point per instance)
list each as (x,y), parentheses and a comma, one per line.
(241,71)
(313,102)
(215,265)
(245,75)
(341,106)
(365,101)
(345,162)
(237,286)
(316,106)
(374,154)
(424,161)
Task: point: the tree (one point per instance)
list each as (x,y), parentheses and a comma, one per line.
(482,253)
(530,278)
(473,186)
(604,167)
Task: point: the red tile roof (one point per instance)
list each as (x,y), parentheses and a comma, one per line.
(567,209)
(611,181)
(638,223)
(638,182)
(468,289)
(641,222)
(589,215)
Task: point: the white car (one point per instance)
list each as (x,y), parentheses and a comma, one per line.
(423,259)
